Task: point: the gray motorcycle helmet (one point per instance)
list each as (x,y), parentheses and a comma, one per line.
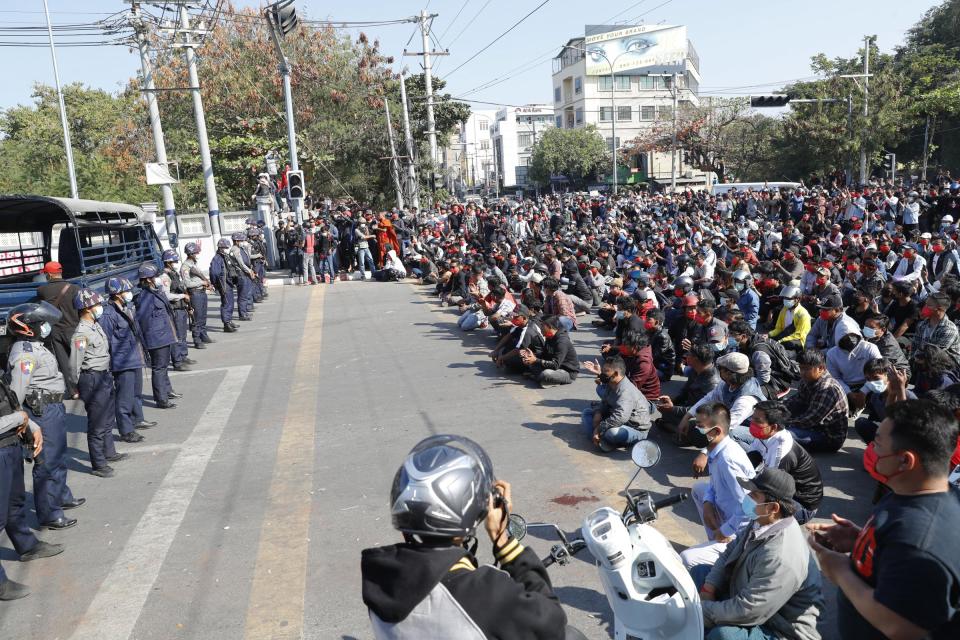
(442,488)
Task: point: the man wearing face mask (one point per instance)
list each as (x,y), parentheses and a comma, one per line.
(876,329)
(845,362)
(710,329)
(749,300)
(911,266)
(878,395)
(718,499)
(831,324)
(126,358)
(774,447)
(898,575)
(38,384)
(793,321)
(936,329)
(223,275)
(818,411)
(766,583)
(557,362)
(90,367)
(623,416)
(156,326)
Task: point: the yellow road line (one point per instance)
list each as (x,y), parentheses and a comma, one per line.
(279,580)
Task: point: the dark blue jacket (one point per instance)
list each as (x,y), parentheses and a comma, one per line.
(155,318)
(218,271)
(123,334)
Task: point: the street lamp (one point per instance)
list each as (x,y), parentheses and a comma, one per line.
(596,51)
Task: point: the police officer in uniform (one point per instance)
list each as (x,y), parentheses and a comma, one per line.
(60,293)
(90,367)
(176,295)
(196,284)
(38,384)
(16,428)
(126,358)
(245,278)
(223,275)
(155,318)
(258,256)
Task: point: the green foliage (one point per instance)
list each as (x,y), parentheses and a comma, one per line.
(577,154)
(103,136)
(447,112)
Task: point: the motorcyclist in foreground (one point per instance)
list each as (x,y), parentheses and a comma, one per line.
(431,585)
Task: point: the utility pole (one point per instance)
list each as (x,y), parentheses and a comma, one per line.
(166,191)
(867,40)
(673,143)
(926,148)
(414,187)
(393,157)
(74,193)
(281,16)
(426,21)
(850,133)
(213,206)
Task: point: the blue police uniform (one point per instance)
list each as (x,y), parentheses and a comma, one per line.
(13,496)
(34,374)
(244,281)
(176,295)
(155,318)
(221,278)
(126,363)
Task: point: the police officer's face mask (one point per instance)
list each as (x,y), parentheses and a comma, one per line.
(45,329)
(97,311)
(158,282)
(127,296)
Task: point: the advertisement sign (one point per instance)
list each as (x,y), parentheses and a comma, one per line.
(635,48)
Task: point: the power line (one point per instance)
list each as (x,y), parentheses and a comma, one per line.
(495,40)
(452,22)
(617,15)
(467,26)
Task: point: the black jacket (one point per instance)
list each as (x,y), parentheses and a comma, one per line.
(662,347)
(558,353)
(513,603)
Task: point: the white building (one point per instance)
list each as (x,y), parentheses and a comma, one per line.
(477,164)
(513,135)
(646,60)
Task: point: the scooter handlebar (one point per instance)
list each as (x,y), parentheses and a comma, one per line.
(672,500)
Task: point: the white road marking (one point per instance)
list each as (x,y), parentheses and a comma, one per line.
(115,609)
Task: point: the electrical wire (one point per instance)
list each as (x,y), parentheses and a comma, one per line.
(497,39)
(452,22)
(467,26)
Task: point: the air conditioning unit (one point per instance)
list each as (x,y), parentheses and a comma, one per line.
(688,174)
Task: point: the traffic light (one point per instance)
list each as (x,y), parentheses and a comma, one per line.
(891,165)
(774,100)
(295,184)
(284,15)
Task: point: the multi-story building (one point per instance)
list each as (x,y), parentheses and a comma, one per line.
(628,78)
(477,164)
(513,135)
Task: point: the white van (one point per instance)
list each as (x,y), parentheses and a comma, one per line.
(720,189)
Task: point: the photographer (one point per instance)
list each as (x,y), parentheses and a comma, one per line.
(431,585)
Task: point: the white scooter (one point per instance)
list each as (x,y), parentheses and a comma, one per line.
(649,590)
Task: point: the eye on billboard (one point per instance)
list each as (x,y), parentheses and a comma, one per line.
(635,48)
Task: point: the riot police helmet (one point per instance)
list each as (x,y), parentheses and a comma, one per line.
(147,271)
(86,298)
(25,321)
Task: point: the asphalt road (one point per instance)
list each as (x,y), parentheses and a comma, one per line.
(243,514)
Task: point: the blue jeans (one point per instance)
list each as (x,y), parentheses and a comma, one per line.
(740,633)
(741,436)
(566,323)
(615,437)
(812,440)
(365,259)
(327,266)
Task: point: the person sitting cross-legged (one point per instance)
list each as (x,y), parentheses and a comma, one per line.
(765,584)
(557,362)
(818,412)
(623,415)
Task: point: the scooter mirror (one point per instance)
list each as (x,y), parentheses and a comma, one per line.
(517,526)
(645,454)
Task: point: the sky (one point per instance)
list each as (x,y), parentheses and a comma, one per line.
(745,46)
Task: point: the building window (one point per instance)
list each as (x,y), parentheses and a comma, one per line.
(525,139)
(609,142)
(484,125)
(648,113)
(578,116)
(646,83)
(623,83)
(665,113)
(604,83)
(578,85)
(559,121)
(484,145)
(556,94)
(521,175)
(624,114)
(606,114)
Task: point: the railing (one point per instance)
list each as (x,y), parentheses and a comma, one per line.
(693,56)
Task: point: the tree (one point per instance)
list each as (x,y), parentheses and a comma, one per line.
(577,154)
(447,112)
(106,147)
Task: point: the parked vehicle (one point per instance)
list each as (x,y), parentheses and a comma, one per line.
(92,240)
(651,594)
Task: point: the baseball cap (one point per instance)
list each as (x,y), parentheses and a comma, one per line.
(53,267)
(831,301)
(775,483)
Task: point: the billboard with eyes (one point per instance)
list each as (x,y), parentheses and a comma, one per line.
(633,48)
